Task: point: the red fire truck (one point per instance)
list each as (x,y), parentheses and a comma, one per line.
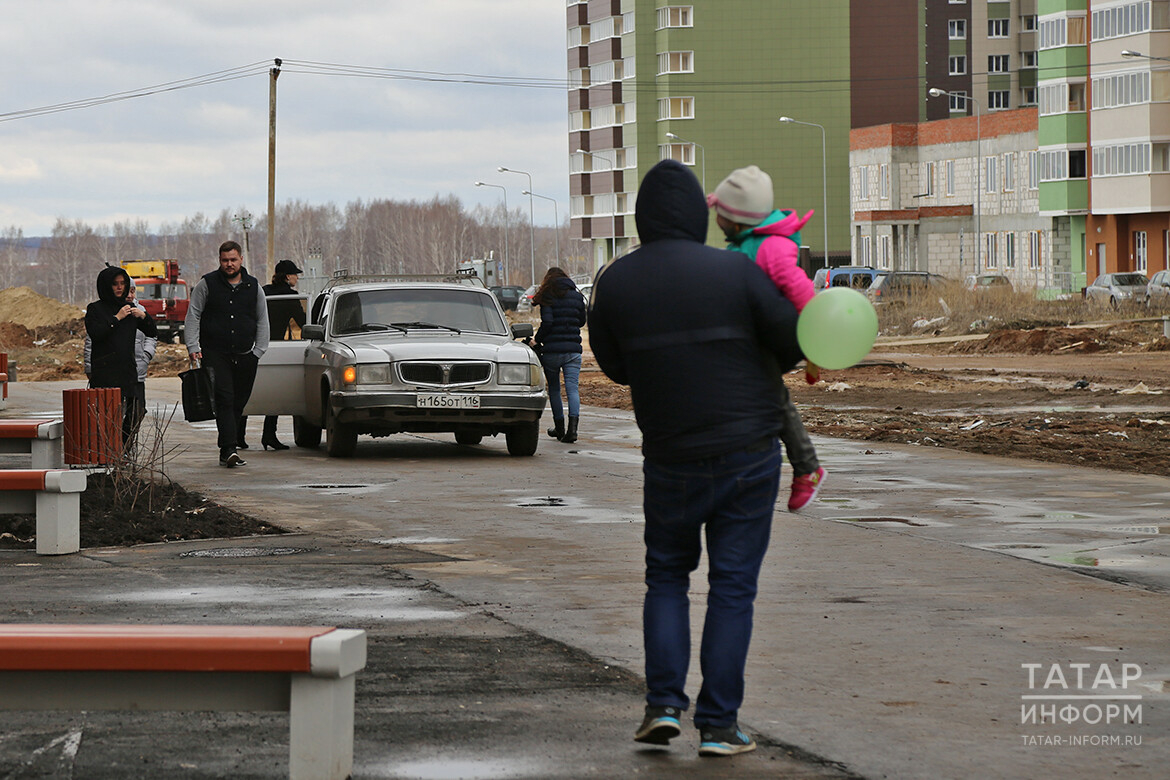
(162,293)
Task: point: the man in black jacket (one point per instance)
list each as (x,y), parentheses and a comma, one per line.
(227,328)
(112,323)
(698,334)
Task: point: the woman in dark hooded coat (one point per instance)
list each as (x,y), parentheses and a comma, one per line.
(112,323)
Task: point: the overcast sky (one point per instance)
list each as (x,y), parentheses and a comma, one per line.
(167,156)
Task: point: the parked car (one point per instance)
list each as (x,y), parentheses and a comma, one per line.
(892,287)
(859,277)
(507,295)
(586,290)
(525,303)
(1158,290)
(384,355)
(1117,288)
(988,283)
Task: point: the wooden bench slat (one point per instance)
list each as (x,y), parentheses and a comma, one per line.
(22,429)
(22,479)
(41,647)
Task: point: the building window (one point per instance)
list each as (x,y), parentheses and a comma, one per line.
(957,29)
(1062,98)
(1028,23)
(863,182)
(928,178)
(676,62)
(957,66)
(1054,33)
(1076,31)
(676,16)
(997,28)
(998,99)
(1076,97)
(884,181)
(1139,250)
(579,120)
(1028,59)
(1121,20)
(676,108)
(684,153)
(997,63)
(1054,165)
(950,177)
(1009,250)
(1122,89)
(1028,96)
(883,251)
(990,174)
(1009,172)
(1077,164)
(990,260)
(865,250)
(578,36)
(1033,170)
(958,101)
(1034,259)
(1122,159)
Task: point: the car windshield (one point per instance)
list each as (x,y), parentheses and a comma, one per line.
(1129,280)
(417,308)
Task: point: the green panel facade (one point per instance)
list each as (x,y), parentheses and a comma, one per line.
(1062,129)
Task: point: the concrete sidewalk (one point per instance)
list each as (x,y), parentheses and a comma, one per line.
(897,624)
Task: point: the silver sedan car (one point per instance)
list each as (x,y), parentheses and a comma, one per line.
(1117,289)
(1158,291)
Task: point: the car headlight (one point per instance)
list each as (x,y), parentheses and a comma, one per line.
(371,374)
(519,374)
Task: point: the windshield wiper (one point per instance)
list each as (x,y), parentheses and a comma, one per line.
(378,326)
(405,325)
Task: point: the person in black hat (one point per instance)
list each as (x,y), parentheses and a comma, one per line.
(282,313)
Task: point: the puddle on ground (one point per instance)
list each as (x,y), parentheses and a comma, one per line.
(404,540)
(460,769)
(1150,530)
(245,552)
(898,520)
(577,510)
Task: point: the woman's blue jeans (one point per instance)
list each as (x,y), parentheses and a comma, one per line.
(731,498)
(570,364)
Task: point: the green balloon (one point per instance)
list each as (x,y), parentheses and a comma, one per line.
(837,328)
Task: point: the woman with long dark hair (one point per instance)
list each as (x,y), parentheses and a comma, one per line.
(558,341)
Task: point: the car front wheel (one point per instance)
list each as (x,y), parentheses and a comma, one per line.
(306,435)
(522,439)
(340,439)
(468,437)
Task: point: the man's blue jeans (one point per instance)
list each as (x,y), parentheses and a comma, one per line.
(570,364)
(731,498)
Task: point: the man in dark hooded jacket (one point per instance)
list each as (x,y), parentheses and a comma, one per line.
(697,333)
(112,324)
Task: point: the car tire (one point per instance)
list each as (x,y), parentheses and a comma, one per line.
(468,437)
(522,439)
(340,439)
(305,435)
(1113,304)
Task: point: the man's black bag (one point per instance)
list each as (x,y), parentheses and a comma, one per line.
(198,394)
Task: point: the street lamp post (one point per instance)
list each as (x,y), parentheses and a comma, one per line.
(936,92)
(701,149)
(613,211)
(824,180)
(1129,53)
(531,229)
(502,188)
(556,220)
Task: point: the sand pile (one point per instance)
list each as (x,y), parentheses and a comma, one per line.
(26,307)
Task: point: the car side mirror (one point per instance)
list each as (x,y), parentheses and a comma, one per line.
(314,333)
(522,330)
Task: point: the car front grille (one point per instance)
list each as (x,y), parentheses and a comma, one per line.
(438,374)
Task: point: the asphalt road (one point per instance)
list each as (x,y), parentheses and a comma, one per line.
(897,625)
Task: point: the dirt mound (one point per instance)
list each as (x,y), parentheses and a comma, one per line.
(13,336)
(29,308)
(1048,340)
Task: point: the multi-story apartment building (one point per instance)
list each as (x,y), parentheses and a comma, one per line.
(956,197)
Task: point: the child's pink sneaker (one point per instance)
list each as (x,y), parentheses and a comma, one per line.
(804,489)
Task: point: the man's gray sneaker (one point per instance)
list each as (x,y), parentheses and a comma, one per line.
(659,726)
(724,742)
(232,460)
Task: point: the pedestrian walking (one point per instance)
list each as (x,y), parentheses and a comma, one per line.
(227,329)
(114,324)
(770,237)
(144,349)
(696,333)
(558,341)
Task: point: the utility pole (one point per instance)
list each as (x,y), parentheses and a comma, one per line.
(273,74)
(244,220)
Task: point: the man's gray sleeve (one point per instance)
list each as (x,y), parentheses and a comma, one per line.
(194,315)
(263,331)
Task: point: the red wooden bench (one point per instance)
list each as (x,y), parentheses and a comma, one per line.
(55,495)
(3,379)
(305,671)
(41,438)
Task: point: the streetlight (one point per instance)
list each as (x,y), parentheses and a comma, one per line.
(531,229)
(704,151)
(556,219)
(1130,53)
(824,179)
(936,92)
(507,276)
(613,211)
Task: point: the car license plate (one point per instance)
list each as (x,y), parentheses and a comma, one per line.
(447,401)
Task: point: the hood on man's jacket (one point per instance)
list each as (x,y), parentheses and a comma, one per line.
(671,204)
(105,286)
